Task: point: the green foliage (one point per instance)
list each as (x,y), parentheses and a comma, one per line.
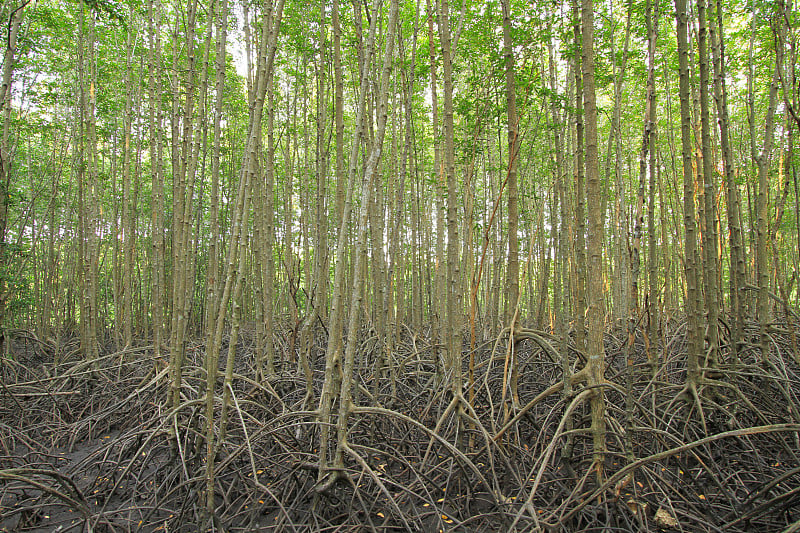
(15,280)
(110,8)
(45,130)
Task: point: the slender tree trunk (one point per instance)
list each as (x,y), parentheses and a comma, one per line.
(410,169)
(653,317)
(319,277)
(693,333)
(579,241)
(638,220)
(269,239)
(212,273)
(438,310)
(786,58)
(345,392)
(761,159)
(334,357)
(709,236)
(87,172)
(183,193)
(235,255)
(737,275)
(321,256)
(512,273)
(156,124)
(338,106)
(595,298)
(9,60)
(620,280)
(561,244)
(453,339)
(128,205)
(379,282)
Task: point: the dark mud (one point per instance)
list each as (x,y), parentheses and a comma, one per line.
(92,447)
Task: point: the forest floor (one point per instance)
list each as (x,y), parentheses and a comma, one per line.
(91,447)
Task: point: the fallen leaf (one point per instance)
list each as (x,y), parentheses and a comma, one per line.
(665,519)
(636,506)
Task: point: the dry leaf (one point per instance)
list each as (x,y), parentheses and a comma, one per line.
(636,506)
(665,519)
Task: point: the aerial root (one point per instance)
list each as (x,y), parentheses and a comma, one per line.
(433,461)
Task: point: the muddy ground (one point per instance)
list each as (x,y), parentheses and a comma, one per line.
(92,447)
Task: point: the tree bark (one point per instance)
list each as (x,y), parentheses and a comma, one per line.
(737,263)
(87,177)
(620,280)
(128,205)
(235,256)
(334,356)
(453,339)
(579,242)
(9,60)
(652,21)
(709,236)
(595,297)
(761,158)
(156,147)
(693,333)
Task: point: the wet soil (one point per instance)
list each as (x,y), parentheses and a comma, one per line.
(93,447)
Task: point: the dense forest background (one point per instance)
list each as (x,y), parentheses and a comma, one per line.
(497,265)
